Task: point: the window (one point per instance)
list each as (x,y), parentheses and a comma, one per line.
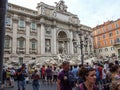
(21,43)
(104,36)
(6,59)
(100,50)
(104,30)
(112,48)
(8,21)
(110,34)
(116,24)
(106,49)
(98,31)
(118,40)
(99,38)
(21,60)
(105,43)
(117,31)
(95,51)
(33,26)
(33,44)
(98,44)
(21,23)
(109,27)
(111,41)
(7,43)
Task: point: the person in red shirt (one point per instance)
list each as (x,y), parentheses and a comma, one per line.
(43,73)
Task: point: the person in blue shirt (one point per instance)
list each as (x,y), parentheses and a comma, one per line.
(75,71)
(21,74)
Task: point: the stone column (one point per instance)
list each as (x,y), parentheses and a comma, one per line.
(71,43)
(53,42)
(42,39)
(27,35)
(42,33)
(38,39)
(15,27)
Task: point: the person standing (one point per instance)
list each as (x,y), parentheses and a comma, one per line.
(63,82)
(43,74)
(35,82)
(49,75)
(21,74)
(89,77)
(8,77)
(55,73)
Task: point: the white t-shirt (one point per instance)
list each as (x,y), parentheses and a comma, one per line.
(103,73)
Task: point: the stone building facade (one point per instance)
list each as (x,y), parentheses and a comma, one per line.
(107,39)
(43,33)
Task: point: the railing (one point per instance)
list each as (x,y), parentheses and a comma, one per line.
(8,49)
(33,51)
(117,43)
(21,50)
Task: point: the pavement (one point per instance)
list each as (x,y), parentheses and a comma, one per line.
(29,87)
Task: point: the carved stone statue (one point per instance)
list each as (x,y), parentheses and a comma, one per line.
(61,6)
(43,10)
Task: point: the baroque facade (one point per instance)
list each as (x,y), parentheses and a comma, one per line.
(107,39)
(43,33)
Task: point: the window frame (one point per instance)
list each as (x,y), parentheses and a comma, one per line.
(33,24)
(10,21)
(21,25)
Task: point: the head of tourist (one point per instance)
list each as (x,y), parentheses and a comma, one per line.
(88,75)
(115,69)
(36,71)
(65,65)
(23,66)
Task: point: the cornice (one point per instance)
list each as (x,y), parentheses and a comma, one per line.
(21,13)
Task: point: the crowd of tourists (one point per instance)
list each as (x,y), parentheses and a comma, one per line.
(99,76)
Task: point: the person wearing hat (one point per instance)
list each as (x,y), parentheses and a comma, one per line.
(21,73)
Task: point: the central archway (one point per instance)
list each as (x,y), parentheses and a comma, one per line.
(62,42)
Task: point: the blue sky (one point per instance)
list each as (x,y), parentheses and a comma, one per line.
(90,12)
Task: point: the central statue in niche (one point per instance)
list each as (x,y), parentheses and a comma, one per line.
(62,42)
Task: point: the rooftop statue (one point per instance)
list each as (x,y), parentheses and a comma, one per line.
(60,6)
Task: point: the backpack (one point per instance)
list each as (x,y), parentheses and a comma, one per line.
(71,79)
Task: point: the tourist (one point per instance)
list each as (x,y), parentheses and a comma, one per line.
(89,77)
(49,74)
(55,73)
(43,73)
(62,82)
(35,82)
(21,74)
(8,77)
(115,72)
